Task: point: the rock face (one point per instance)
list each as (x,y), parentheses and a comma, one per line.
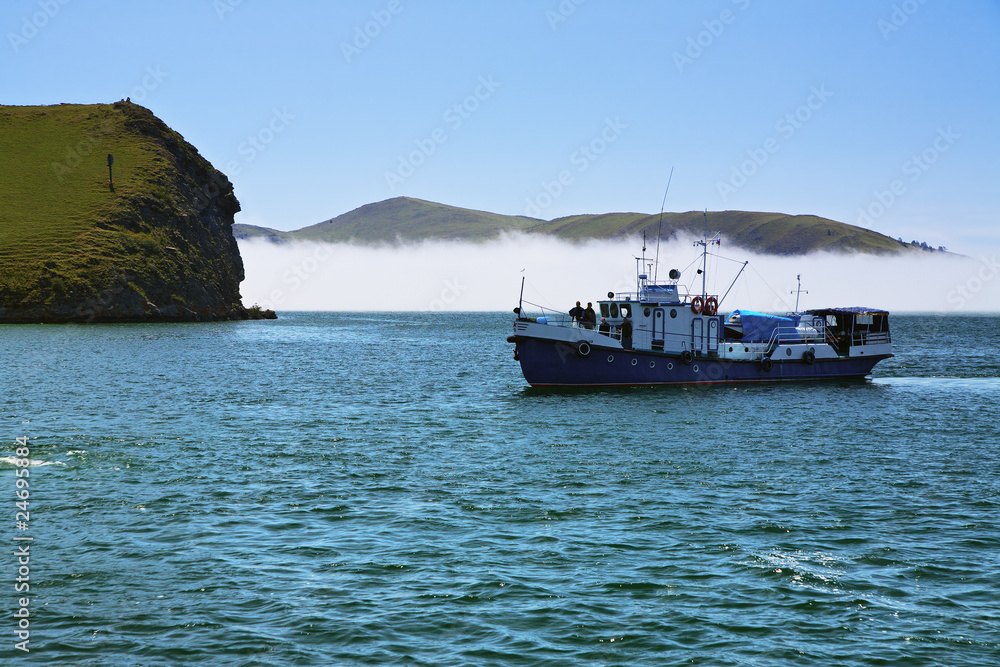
(156,244)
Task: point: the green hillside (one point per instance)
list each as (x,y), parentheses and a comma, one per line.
(412,220)
(409,219)
(769,233)
(72,248)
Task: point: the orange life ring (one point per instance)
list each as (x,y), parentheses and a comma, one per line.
(711,305)
(697,304)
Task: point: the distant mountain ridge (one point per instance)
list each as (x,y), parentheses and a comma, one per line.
(404,219)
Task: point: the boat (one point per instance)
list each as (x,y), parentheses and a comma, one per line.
(680,337)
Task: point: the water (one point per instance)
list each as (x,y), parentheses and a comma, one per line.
(340,489)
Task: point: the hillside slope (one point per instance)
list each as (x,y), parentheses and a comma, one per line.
(159,246)
(410,219)
(406,219)
(768,233)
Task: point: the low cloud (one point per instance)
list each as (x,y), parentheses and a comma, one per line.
(463,276)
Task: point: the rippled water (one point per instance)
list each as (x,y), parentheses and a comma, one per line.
(334,489)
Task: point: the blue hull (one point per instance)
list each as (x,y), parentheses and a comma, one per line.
(551,364)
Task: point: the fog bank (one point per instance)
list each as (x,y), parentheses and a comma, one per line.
(462,276)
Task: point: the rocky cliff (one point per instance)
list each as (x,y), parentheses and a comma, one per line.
(148,240)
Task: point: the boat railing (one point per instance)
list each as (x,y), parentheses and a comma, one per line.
(871,338)
(786,335)
(561,320)
(838,338)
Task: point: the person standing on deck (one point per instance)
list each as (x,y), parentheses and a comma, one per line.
(576,313)
(626,330)
(589,316)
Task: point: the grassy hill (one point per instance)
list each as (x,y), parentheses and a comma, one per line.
(769,233)
(159,244)
(408,219)
(403,219)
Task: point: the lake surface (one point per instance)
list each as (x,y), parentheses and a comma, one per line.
(340,489)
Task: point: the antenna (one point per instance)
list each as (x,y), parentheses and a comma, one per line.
(659,227)
(639,262)
(798,291)
(520,299)
(704,258)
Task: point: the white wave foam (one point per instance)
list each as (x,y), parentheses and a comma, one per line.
(34,463)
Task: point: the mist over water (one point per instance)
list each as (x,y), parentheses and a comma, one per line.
(465,276)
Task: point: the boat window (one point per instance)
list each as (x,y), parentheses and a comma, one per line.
(659,314)
(831,320)
(864,319)
(646,312)
(614,310)
(626,310)
(604,310)
(673,313)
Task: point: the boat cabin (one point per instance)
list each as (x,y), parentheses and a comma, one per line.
(662,320)
(847,328)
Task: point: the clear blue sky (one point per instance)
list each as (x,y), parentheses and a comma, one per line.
(798,107)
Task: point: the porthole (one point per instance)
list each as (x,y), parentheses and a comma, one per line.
(695,368)
(652,364)
(611,358)
(635,361)
(670,366)
(730,349)
(659,314)
(746,349)
(788,351)
(646,312)
(673,313)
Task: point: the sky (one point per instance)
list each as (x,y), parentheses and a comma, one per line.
(881,113)
(874,112)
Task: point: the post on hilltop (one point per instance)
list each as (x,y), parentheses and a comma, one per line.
(111,180)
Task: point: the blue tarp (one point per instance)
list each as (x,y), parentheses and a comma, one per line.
(856,310)
(760,327)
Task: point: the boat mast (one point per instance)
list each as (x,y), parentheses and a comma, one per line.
(639,263)
(738,274)
(798,291)
(520,300)
(704,258)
